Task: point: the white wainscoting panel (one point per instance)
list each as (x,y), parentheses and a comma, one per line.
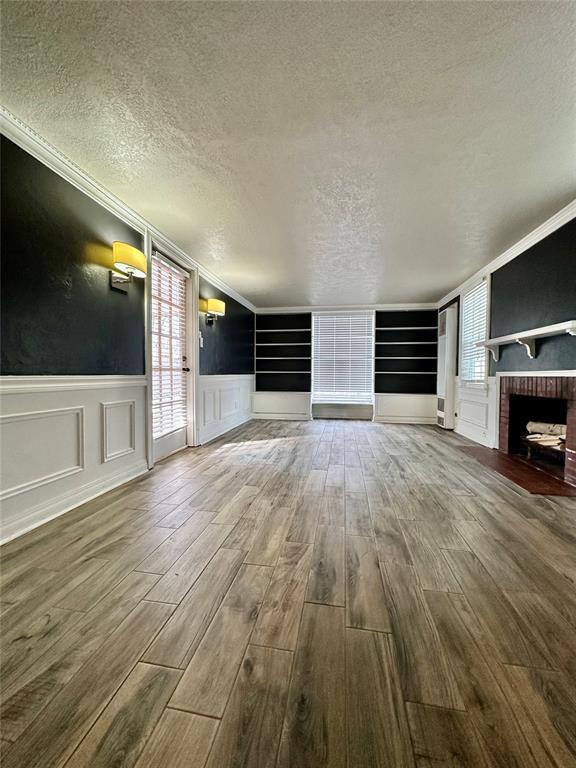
(65,440)
(223,403)
(405,409)
(23,467)
(118,429)
(477,408)
(292,406)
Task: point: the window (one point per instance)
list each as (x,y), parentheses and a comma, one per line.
(343,357)
(473,363)
(168,348)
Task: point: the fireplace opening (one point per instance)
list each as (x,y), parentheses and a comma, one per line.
(537,431)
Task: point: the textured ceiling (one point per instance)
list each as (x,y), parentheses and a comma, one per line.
(312,152)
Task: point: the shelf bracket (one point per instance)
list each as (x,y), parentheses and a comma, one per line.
(495,352)
(529,345)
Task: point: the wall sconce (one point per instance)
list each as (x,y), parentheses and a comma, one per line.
(128,260)
(212,308)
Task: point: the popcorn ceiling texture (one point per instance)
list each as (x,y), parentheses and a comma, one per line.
(311,153)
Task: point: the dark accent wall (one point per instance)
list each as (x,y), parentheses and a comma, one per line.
(406,349)
(535,289)
(284,352)
(59,316)
(229,342)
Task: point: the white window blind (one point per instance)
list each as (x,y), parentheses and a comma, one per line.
(168,348)
(474,323)
(343,357)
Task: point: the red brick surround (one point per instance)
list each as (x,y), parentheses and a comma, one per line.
(563,387)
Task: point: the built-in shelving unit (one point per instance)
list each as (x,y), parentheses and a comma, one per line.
(405,353)
(528,338)
(284,352)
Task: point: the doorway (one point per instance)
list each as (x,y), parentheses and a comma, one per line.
(172,361)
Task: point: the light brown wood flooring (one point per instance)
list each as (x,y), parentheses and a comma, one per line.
(318,594)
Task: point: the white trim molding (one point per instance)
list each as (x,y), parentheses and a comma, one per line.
(50,477)
(24,384)
(39,514)
(24,136)
(344,308)
(556,221)
(107,410)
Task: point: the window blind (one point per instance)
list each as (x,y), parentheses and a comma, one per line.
(169,391)
(474,324)
(343,357)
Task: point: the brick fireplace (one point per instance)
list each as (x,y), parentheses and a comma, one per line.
(558,396)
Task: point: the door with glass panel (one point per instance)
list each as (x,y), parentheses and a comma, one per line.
(171,367)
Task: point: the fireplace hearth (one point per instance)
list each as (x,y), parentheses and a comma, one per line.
(551,400)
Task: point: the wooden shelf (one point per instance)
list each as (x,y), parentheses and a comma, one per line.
(527,338)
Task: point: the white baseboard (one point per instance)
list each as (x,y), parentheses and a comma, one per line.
(43,513)
(405,419)
(282,416)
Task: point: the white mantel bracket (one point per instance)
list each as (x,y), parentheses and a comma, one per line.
(527,338)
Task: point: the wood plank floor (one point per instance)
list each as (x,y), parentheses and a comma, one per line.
(321,594)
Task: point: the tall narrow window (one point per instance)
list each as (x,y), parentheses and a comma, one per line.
(474,324)
(343,357)
(169,391)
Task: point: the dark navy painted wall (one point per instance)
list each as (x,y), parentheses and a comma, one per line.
(229,342)
(535,289)
(59,316)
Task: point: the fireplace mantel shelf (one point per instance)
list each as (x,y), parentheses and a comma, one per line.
(528,338)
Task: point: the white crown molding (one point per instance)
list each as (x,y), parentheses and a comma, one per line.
(218,283)
(556,221)
(26,138)
(345,308)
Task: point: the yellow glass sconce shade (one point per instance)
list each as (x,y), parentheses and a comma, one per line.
(216,307)
(212,308)
(128,260)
